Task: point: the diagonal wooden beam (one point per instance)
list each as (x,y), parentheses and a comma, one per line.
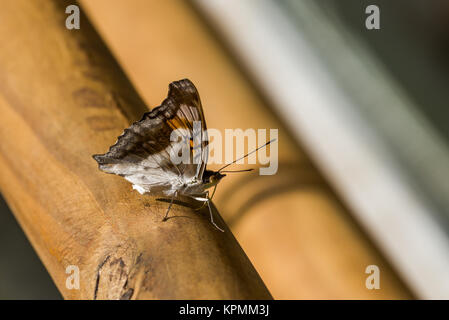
(63,98)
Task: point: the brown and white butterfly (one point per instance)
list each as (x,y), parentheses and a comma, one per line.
(144,153)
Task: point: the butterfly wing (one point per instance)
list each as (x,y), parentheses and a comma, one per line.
(143,153)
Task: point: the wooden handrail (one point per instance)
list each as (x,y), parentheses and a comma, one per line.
(63,98)
(287,223)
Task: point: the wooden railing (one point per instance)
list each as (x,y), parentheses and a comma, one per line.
(63,98)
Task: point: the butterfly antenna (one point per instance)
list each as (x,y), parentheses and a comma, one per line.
(238,170)
(266,144)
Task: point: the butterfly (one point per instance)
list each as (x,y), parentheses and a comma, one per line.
(144,153)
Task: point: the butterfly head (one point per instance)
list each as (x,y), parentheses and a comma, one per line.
(212,178)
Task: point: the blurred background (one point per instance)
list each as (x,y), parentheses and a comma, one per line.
(363,137)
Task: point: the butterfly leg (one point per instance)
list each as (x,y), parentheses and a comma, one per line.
(211,215)
(213,192)
(204,202)
(169,207)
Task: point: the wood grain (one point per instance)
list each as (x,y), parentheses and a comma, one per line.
(63,98)
(302,239)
